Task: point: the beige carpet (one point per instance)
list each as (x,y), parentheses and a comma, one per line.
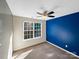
(47,51)
(42,51)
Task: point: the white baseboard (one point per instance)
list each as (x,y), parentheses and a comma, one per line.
(63,49)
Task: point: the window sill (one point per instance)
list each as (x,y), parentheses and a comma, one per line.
(32,38)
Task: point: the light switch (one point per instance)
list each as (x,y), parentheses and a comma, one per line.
(0,44)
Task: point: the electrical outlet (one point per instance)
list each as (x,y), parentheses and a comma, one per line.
(66,46)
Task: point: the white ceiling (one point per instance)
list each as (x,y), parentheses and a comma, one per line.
(28,8)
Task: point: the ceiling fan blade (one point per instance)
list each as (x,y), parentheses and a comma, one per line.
(51,12)
(50,16)
(39,13)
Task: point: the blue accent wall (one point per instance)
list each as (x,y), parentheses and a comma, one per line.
(64,32)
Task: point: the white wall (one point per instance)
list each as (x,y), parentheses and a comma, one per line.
(5,30)
(18,41)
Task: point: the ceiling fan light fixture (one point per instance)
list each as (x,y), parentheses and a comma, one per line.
(44,17)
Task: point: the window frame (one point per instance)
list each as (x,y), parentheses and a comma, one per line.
(33,31)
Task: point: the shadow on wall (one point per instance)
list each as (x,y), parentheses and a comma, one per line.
(64,32)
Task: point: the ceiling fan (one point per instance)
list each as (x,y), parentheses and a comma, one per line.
(46,13)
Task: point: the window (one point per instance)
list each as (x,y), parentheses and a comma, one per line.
(28,30)
(37,29)
(32,30)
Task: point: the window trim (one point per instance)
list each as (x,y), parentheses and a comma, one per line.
(33,31)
